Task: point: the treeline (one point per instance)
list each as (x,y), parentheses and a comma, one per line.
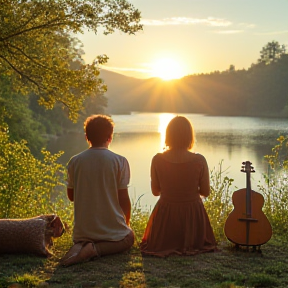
(260,90)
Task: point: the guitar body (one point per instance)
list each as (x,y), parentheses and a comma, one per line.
(235,229)
(247,225)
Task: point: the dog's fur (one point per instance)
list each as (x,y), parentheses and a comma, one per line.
(32,235)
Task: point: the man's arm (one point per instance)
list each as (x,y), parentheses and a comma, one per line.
(70,194)
(125,203)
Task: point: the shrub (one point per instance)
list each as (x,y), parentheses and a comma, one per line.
(29,186)
(275,188)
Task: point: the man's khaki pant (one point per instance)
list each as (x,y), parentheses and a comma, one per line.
(85,251)
(113,247)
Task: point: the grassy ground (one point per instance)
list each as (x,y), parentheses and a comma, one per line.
(227,268)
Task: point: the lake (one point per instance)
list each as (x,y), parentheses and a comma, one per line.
(139,136)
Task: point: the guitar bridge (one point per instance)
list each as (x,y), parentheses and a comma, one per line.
(248,219)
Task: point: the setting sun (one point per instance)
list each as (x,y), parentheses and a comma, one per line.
(167,69)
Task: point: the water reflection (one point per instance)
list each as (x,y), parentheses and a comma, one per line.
(164,119)
(140,136)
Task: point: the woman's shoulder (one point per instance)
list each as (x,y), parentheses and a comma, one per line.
(157,156)
(199,156)
(185,157)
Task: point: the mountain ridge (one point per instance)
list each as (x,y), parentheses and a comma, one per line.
(227,93)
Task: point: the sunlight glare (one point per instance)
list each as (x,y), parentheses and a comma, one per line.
(167,69)
(164,119)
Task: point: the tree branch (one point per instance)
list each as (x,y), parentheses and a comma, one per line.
(39,27)
(20,73)
(27,56)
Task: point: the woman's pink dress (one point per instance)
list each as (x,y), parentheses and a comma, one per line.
(179,223)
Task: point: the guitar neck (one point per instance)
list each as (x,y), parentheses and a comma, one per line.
(248,196)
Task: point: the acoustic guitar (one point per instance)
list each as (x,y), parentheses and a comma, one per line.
(247,225)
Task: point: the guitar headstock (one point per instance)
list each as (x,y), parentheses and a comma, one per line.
(247,168)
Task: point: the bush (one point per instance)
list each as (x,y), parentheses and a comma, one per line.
(29,186)
(275,188)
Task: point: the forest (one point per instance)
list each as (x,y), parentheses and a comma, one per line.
(259,91)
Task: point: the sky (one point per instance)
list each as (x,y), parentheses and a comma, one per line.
(186,37)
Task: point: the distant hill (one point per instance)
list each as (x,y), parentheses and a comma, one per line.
(259,91)
(120,91)
(126,94)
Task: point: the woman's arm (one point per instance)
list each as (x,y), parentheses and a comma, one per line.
(204,189)
(70,194)
(155,185)
(156,191)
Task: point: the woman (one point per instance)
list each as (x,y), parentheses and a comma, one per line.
(179,223)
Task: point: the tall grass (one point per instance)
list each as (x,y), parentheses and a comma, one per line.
(218,204)
(275,188)
(139,219)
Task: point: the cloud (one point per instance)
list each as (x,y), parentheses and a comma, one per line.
(247,25)
(126,69)
(229,31)
(273,33)
(210,21)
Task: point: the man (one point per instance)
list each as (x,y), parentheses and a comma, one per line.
(97,184)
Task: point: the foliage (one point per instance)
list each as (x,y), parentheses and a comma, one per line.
(56,121)
(271,52)
(139,219)
(36,50)
(27,280)
(15,112)
(278,160)
(218,204)
(275,189)
(29,186)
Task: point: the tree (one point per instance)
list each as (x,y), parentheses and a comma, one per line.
(231,68)
(271,52)
(35,50)
(15,112)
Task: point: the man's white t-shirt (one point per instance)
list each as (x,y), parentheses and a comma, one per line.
(96,175)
